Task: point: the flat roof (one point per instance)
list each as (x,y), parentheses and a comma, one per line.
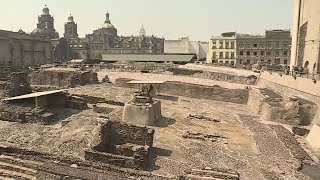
(146,82)
(33,95)
(149,57)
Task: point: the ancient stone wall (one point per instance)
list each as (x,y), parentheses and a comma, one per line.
(113,133)
(290,86)
(62,78)
(217,93)
(17,84)
(123,145)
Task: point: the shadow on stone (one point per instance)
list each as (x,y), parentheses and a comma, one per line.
(154,154)
(165,122)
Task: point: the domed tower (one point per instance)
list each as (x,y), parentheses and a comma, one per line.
(70,28)
(46,24)
(108,32)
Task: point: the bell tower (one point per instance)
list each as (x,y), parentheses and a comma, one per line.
(70,28)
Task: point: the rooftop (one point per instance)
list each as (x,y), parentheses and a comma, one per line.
(149,57)
(33,95)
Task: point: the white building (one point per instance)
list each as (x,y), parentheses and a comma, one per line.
(222,49)
(306,35)
(185,46)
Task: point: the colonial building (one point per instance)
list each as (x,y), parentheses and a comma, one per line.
(21,49)
(272,48)
(184,45)
(45,26)
(306,35)
(106,40)
(222,49)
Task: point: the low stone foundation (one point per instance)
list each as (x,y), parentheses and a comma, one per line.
(123,145)
(287,110)
(142,110)
(62,77)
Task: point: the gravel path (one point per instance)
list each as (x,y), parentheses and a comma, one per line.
(291,143)
(275,158)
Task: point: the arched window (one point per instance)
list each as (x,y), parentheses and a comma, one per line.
(306,64)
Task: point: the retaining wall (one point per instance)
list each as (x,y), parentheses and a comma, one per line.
(239,96)
(290,86)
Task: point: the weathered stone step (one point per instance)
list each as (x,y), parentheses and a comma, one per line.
(12,168)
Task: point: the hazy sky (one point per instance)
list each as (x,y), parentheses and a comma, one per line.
(198,19)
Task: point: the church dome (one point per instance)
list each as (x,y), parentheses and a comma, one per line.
(45,11)
(107,26)
(70,18)
(37,32)
(107,23)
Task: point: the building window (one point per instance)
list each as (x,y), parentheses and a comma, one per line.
(285,44)
(262,53)
(248,45)
(221,55)
(277,44)
(232,45)
(221,45)
(285,53)
(255,53)
(227,55)
(241,53)
(277,53)
(214,55)
(285,61)
(262,45)
(240,45)
(227,45)
(248,53)
(262,60)
(232,55)
(248,61)
(227,62)
(269,44)
(214,44)
(269,53)
(255,45)
(269,61)
(241,61)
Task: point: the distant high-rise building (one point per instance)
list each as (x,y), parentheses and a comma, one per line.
(70,28)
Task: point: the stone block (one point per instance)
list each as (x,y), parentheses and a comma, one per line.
(143,114)
(313,138)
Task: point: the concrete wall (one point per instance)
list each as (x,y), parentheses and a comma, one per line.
(306,34)
(289,86)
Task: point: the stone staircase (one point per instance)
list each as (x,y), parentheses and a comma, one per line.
(12,168)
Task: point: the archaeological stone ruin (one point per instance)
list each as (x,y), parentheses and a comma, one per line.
(103,122)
